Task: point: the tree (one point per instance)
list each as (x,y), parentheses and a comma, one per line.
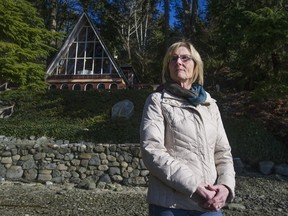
(190,8)
(187,15)
(251,38)
(133,25)
(166,20)
(24,45)
(267,38)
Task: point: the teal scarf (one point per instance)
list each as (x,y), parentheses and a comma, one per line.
(196,95)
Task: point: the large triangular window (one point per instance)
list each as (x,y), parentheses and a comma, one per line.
(85,56)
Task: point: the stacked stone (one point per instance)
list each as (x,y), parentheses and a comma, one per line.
(87,165)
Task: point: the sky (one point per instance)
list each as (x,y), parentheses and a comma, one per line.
(202,5)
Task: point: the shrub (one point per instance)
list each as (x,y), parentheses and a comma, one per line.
(86,116)
(252,143)
(73,115)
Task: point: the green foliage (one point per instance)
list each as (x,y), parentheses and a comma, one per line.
(251,38)
(24,45)
(86,116)
(252,143)
(74,116)
(272,89)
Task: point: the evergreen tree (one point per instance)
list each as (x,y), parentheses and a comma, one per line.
(250,38)
(24,45)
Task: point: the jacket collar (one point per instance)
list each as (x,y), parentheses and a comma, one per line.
(166,96)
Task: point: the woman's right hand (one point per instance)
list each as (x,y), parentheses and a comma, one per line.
(205,193)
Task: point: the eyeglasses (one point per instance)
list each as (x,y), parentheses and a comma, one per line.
(184,58)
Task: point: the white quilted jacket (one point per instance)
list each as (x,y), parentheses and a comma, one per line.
(183,146)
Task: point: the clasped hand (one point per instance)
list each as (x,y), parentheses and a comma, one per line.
(214,196)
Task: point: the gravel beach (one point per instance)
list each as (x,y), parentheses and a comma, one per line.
(255,195)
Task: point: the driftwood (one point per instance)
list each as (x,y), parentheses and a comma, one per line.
(4,86)
(6,111)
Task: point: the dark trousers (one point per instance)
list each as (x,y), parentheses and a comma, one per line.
(155,210)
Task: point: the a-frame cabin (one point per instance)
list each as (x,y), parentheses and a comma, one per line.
(84,62)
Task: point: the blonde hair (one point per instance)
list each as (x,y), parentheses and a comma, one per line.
(198,68)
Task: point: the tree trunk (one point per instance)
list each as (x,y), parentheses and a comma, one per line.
(52,22)
(167,18)
(194,15)
(190,8)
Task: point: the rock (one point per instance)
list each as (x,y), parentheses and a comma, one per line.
(39,156)
(30,174)
(91,185)
(114,187)
(238,165)
(95,161)
(114,171)
(14,172)
(144,172)
(68,186)
(103,167)
(138,180)
(2,170)
(48,183)
(117,178)
(123,109)
(236,206)
(87,184)
(85,156)
(281,169)
(101,185)
(6,160)
(29,164)
(44,177)
(266,167)
(105,178)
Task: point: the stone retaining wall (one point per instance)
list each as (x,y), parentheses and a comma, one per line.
(59,161)
(86,165)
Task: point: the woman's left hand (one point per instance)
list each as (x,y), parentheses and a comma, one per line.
(219,200)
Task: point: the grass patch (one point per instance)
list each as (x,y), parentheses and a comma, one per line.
(75,116)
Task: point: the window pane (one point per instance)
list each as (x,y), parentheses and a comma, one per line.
(89,49)
(97,66)
(70,67)
(77,87)
(101,86)
(113,86)
(82,35)
(106,66)
(98,49)
(62,66)
(72,50)
(91,35)
(53,87)
(79,66)
(88,66)
(89,87)
(113,70)
(81,49)
(64,87)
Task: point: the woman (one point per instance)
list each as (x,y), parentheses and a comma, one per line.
(183,141)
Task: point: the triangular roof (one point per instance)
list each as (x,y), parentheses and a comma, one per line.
(72,37)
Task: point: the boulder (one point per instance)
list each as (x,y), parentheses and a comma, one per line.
(123,109)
